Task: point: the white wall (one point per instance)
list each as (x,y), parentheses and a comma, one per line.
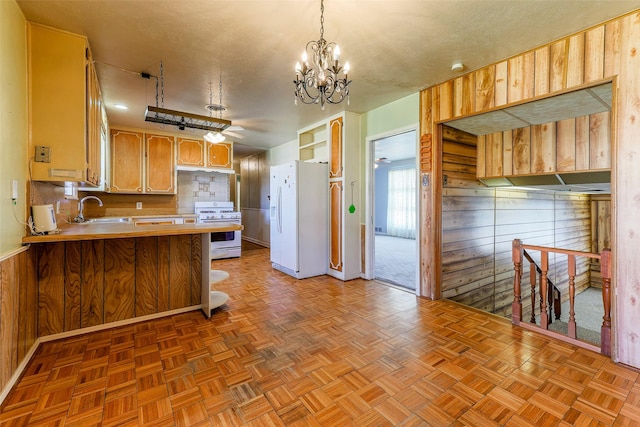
(284,153)
(13,123)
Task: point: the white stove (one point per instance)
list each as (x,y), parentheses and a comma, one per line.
(225,244)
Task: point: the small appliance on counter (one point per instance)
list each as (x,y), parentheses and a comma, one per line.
(44,220)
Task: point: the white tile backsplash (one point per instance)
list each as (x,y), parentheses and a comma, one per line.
(201,187)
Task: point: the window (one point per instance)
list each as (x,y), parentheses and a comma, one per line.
(401,209)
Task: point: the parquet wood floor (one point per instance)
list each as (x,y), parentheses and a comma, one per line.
(320,352)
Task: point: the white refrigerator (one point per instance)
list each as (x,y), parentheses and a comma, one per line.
(299,218)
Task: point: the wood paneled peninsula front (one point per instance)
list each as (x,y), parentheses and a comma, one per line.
(94,274)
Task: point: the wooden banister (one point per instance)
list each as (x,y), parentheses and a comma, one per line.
(547,291)
(516,306)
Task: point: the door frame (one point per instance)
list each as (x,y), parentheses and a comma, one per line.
(369,233)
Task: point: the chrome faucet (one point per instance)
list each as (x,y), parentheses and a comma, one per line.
(80,217)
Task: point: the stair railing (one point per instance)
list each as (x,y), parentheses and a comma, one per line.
(518,250)
(554,296)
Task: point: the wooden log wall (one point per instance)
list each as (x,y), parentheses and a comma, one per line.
(18,311)
(604,52)
(572,145)
(479,225)
(94,282)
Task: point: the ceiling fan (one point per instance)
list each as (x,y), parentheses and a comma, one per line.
(219,108)
(384,160)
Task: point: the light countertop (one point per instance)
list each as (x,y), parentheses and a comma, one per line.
(96,231)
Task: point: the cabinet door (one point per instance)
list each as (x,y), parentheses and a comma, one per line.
(190,152)
(57,103)
(335,222)
(127,149)
(94,127)
(220,155)
(335,127)
(160,164)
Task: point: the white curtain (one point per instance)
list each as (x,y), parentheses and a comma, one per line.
(401,208)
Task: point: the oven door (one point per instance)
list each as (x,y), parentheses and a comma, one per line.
(225,239)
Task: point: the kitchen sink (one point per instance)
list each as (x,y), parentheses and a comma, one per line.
(108,220)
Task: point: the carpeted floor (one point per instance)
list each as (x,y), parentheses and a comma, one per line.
(588,312)
(395,261)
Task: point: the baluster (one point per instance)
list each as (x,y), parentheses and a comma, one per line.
(532,283)
(605,330)
(544,315)
(572,295)
(516,306)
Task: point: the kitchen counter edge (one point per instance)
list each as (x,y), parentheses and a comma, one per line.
(75,232)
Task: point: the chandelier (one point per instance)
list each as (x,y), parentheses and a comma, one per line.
(319,81)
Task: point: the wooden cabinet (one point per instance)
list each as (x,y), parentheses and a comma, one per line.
(160,164)
(190,152)
(64,107)
(127,153)
(142,163)
(336,141)
(220,155)
(335,126)
(196,154)
(344,190)
(335,225)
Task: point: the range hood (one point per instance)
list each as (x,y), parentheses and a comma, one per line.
(589,182)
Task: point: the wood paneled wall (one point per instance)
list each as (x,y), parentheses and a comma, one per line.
(479,225)
(18,311)
(90,283)
(600,232)
(578,144)
(605,52)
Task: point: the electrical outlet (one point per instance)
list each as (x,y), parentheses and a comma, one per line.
(43,154)
(138,205)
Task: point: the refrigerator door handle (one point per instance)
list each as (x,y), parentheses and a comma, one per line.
(279,210)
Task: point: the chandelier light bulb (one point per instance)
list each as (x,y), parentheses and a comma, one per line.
(346,68)
(298,67)
(336,53)
(305,57)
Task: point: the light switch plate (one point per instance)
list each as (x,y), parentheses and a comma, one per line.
(14,189)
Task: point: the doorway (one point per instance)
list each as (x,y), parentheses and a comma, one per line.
(393,209)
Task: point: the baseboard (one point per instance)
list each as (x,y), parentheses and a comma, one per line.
(53,337)
(19,370)
(256,241)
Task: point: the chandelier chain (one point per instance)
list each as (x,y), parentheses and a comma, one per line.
(321,19)
(161,85)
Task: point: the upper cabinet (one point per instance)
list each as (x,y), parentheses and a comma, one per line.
(220,155)
(196,154)
(142,163)
(127,154)
(160,164)
(190,152)
(65,116)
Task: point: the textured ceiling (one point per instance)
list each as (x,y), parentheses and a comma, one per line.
(395,48)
